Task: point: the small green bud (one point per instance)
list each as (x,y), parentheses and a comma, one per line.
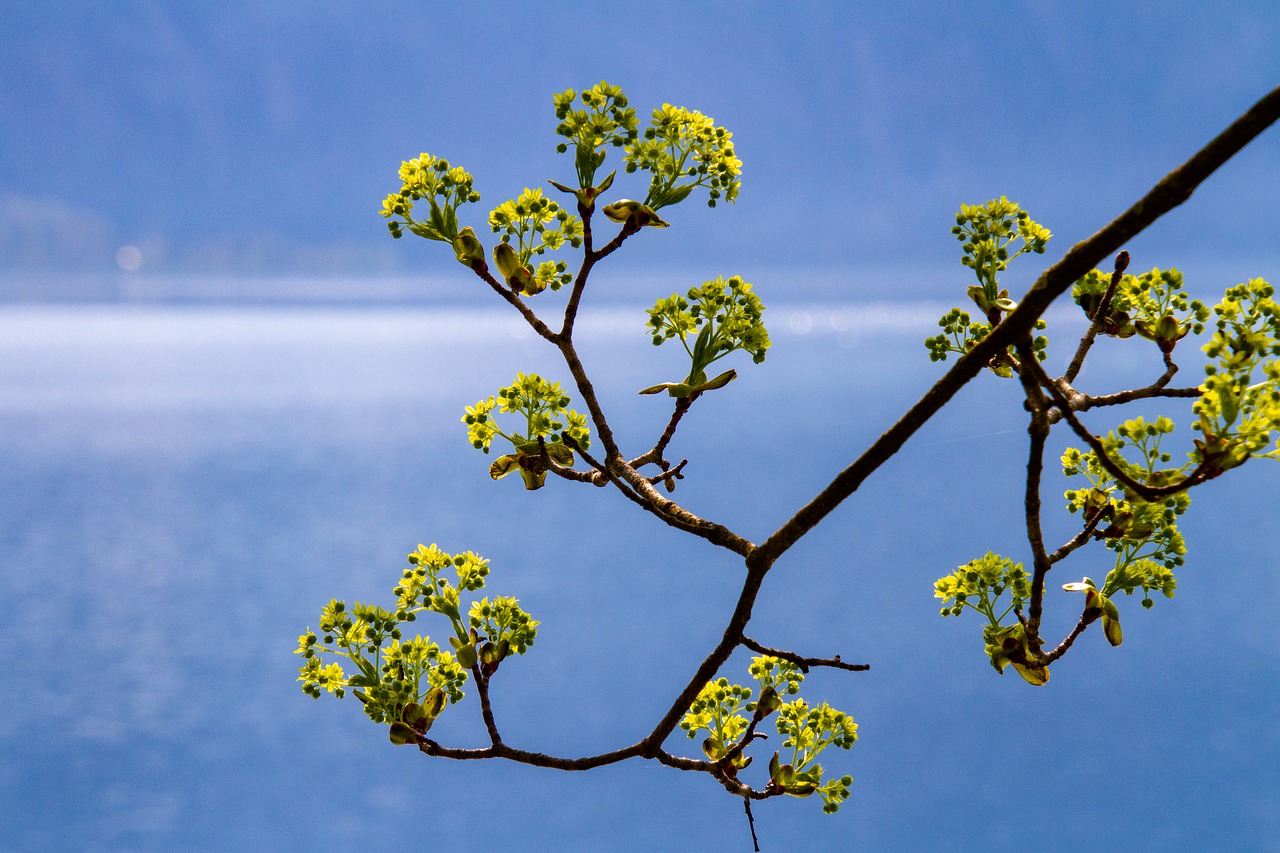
(769,702)
(507,261)
(626,209)
(468,249)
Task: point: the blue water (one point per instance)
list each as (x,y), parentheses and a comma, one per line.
(182,488)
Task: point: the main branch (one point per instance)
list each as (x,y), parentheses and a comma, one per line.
(1171,191)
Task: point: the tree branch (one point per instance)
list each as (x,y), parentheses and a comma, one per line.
(803,662)
(482,270)
(486,710)
(1202,473)
(580,280)
(1076,541)
(1099,318)
(628,228)
(1038,431)
(537,759)
(751,822)
(678,516)
(588,392)
(731,639)
(1066,643)
(1015,329)
(1171,191)
(1079,402)
(670,475)
(659,448)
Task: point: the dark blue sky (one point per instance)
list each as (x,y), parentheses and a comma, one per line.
(247,137)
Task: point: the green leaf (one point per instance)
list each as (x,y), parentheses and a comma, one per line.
(673,196)
(1034,677)
(560,454)
(675,389)
(504,465)
(1111,628)
(718,382)
(507,261)
(402,733)
(433,703)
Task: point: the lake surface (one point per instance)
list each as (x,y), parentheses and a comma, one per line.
(182,488)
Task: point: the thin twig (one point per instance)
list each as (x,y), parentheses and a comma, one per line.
(726,763)
(486,710)
(1076,541)
(803,662)
(590,477)
(1062,647)
(1079,402)
(639,489)
(628,228)
(1201,474)
(515,301)
(537,759)
(660,447)
(730,783)
(1099,318)
(670,474)
(605,475)
(580,280)
(588,392)
(751,822)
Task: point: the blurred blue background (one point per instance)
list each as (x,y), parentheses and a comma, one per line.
(227,396)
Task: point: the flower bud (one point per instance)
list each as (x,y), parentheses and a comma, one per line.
(625,209)
(507,261)
(769,702)
(467,248)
